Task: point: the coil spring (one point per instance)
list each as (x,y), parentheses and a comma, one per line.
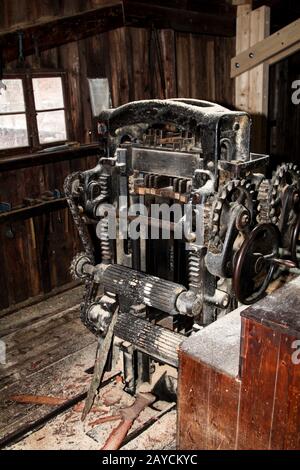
(194,270)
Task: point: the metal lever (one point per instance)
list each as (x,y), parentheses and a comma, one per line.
(262,260)
(286,263)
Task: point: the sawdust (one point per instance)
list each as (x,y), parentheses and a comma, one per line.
(160,436)
(68,432)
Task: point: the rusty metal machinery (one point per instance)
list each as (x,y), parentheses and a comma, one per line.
(237,227)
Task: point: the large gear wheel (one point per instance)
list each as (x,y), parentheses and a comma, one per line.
(78,262)
(263,207)
(233,216)
(287,174)
(236,191)
(295,243)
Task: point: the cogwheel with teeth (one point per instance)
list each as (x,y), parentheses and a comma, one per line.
(77,264)
(263,202)
(241,191)
(286,174)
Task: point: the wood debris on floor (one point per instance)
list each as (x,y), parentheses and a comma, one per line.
(50,358)
(67,431)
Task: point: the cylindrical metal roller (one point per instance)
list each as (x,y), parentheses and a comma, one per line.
(158,342)
(142,288)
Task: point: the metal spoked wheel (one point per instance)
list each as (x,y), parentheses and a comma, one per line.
(254,263)
(295,243)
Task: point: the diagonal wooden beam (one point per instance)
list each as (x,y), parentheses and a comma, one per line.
(264,50)
(241,2)
(285,53)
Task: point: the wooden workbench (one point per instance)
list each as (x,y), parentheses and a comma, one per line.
(239,378)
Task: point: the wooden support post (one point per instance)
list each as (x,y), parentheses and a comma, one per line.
(242,43)
(252,86)
(259,82)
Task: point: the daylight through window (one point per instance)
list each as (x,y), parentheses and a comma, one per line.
(13,126)
(32,112)
(49,106)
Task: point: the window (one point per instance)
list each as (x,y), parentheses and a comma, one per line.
(99,94)
(13,126)
(50,110)
(32,112)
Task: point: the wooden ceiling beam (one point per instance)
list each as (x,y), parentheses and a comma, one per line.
(47,34)
(54,32)
(147,14)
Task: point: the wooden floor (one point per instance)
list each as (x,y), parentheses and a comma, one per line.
(49,352)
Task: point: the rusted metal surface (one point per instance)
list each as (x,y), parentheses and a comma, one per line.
(256,263)
(196,153)
(101,359)
(159,342)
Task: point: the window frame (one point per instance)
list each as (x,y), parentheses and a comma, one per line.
(34,144)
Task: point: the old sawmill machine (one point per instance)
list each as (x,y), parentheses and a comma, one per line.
(231,228)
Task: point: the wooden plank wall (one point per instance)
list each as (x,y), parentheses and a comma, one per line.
(37,258)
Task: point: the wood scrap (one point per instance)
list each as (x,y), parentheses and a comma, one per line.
(105,419)
(38,400)
(79,407)
(129,415)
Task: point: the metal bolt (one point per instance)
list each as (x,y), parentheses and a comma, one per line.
(197,198)
(245,219)
(225,301)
